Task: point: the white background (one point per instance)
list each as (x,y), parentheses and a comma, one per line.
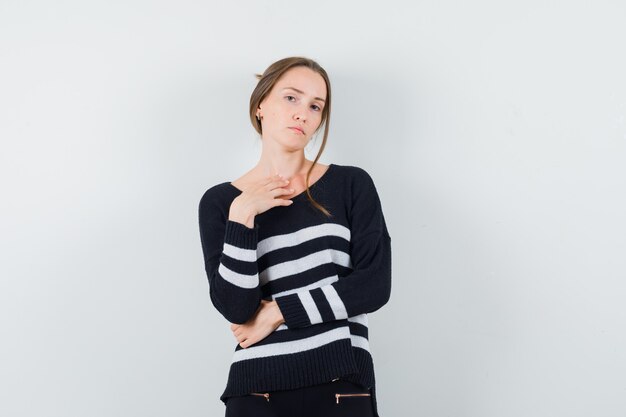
(495,133)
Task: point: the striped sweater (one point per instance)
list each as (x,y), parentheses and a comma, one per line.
(325,273)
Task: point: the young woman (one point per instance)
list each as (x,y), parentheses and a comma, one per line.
(297,254)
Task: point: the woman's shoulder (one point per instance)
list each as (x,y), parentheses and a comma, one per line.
(357,175)
(217,195)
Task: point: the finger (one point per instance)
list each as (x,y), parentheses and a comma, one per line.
(273,178)
(281,191)
(282,202)
(274,185)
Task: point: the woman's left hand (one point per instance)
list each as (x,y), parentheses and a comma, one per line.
(267,318)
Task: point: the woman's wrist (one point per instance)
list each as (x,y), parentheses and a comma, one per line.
(279,315)
(238,215)
(246,221)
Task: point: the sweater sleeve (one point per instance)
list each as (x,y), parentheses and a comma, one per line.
(230,260)
(368,286)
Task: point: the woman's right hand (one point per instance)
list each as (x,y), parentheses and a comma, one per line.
(258,198)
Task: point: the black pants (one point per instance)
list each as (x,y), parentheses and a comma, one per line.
(331,399)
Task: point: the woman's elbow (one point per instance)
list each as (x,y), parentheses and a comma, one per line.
(236,311)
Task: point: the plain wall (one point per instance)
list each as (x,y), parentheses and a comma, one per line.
(494,131)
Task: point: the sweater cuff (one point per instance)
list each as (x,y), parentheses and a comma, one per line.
(240,235)
(292,310)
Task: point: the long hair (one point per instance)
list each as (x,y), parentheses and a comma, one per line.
(266,82)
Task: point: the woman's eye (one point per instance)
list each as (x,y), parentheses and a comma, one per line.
(318,108)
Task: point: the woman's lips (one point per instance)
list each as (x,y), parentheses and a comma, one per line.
(297,130)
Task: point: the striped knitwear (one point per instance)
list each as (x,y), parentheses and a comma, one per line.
(325,273)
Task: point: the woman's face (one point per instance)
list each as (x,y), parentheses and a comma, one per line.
(295,101)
